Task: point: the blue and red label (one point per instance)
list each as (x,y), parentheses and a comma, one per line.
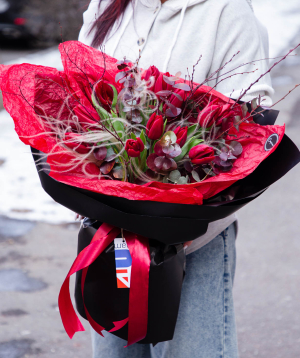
(123,263)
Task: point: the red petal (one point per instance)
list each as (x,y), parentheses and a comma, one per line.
(203,160)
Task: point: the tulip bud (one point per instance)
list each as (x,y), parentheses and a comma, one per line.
(151,72)
(155,127)
(134,147)
(181,133)
(208,115)
(202,154)
(161,84)
(104,94)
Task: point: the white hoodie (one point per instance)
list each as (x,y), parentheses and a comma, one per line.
(173,35)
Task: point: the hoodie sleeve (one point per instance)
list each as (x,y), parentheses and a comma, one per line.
(240,31)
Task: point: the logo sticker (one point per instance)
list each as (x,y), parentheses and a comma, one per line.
(271,142)
(123,263)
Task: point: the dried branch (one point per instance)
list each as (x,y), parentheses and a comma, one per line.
(261,76)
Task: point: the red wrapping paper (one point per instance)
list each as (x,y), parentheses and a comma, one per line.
(26,91)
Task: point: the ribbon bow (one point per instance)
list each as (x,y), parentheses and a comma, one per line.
(139,288)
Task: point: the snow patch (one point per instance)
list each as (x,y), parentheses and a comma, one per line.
(49,58)
(21,194)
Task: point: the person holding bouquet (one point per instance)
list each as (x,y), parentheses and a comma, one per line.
(176,35)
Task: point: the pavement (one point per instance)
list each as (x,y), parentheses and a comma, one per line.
(34,261)
(267,287)
(35,258)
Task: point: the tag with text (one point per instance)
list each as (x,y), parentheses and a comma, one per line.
(123,263)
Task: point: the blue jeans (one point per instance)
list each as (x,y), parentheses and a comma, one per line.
(206,322)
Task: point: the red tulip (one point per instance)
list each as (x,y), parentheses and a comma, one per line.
(228,115)
(181,133)
(178,97)
(134,147)
(151,72)
(104,94)
(161,84)
(155,127)
(202,154)
(209,114)
(219,113)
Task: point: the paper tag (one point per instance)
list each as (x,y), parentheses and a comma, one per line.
(123,263)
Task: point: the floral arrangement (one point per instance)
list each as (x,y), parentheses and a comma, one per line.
(168,132)
(149,126)
(109,126)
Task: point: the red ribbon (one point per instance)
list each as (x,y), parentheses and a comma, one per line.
(139,287)
(138,294)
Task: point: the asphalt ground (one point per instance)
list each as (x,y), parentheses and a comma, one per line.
(35,258)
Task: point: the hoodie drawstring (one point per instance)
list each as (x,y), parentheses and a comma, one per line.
(123,27)
(175,36)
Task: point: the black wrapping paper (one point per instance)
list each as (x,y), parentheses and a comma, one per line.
(107,303)
(167,226)
(171,223)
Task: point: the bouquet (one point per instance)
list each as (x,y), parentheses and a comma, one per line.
(152,156)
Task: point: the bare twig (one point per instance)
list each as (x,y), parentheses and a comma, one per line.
(261,76)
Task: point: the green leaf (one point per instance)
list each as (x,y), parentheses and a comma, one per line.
(208,171)
(195,175)
(168,136)
(119,172)
(174,176)
(192,130)
(115,99)
(192,142)
(152,145)
(182,180)
(111,151)
(133,136)
(143,155)
(120,110)
(143,159)
(125,155)
(143,137)
(165,124)
(113,114)
(100,110)
(145,119)
(119,128)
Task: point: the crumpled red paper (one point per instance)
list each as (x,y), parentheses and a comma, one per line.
(29,89)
